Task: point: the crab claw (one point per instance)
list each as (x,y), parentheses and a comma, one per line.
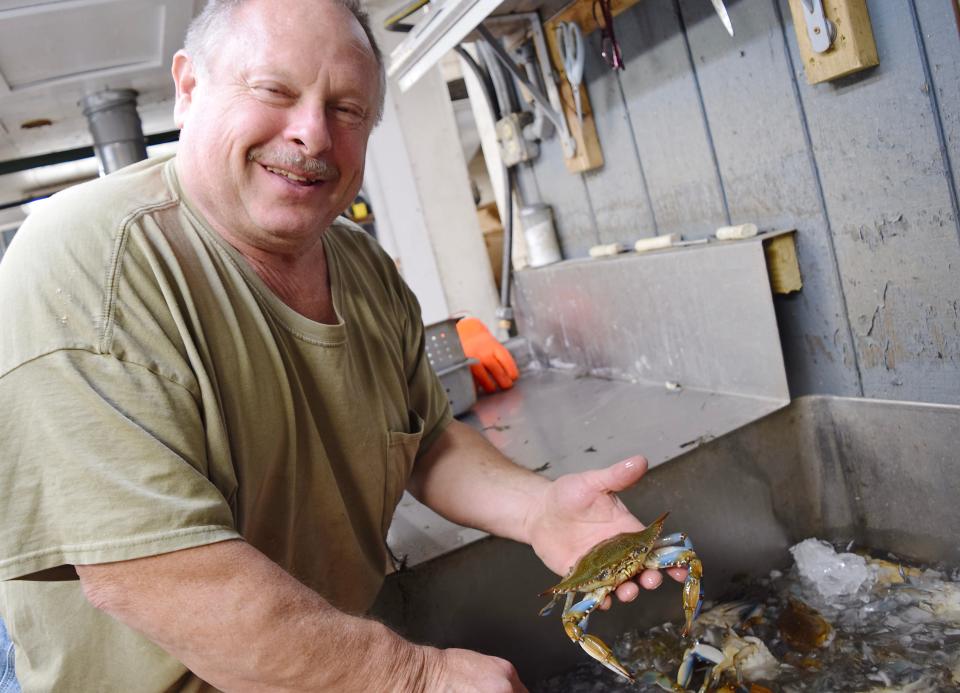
(680,557)
(597,648)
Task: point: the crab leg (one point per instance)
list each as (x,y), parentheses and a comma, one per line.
(655,678)
(682,557)
(702,652)
(677,538)
(575,623)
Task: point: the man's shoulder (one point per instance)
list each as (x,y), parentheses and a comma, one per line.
(360,252)
(62,268)
(112,199)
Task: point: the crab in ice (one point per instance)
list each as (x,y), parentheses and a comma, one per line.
(611,563)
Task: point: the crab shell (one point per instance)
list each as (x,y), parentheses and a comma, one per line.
(611,562)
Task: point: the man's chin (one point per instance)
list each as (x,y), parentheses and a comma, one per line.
(294,226)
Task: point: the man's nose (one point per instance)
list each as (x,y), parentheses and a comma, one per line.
(310,129)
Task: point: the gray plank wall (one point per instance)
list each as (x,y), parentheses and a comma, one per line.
(702,130)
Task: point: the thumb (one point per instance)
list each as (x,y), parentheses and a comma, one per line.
(622,475)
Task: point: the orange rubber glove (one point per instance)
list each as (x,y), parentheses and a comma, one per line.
(496,366)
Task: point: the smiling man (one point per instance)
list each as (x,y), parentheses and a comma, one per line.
(216,391)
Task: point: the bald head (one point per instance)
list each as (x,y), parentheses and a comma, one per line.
(212,26)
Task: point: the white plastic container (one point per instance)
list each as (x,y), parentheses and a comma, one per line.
(540,235)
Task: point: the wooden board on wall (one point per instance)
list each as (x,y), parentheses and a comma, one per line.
(888,197)
(940,43)
(617,191)
(758,133)
(664,110)
(877,235)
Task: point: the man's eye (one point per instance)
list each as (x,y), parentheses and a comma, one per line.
(349,114)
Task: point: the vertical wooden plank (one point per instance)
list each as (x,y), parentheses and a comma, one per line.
(887,196)
(942,45)
(617,191)
(769,179)
(668,126)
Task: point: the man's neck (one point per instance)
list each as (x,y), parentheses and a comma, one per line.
(301,282)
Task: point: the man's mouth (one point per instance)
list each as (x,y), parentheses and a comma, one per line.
(289,175)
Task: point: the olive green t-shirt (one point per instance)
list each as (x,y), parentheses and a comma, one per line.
(156,395)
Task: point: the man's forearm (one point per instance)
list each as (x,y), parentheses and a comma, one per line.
(468,481)
(240,622)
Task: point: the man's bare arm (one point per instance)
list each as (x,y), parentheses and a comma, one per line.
(239,622)
(468,481)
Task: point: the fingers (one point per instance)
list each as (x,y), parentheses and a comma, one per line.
(506,360)
(482,378)
(650,579)
(678,574)
(628,591)
(622,475)
(496,369)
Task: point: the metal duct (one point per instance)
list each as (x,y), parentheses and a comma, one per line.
(115,125)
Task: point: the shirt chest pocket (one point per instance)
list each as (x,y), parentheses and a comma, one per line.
(402,447)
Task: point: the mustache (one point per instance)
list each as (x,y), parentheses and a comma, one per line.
(296,162)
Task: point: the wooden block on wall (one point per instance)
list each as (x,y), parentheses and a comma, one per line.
(782,263)
(853,49)
(589,154)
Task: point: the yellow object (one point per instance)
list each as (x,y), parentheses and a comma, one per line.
(359,210)
(853,48)
(782,264)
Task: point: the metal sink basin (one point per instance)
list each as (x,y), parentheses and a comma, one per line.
(882,474)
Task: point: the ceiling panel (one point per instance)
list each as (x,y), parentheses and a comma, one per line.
(44,45)
(54,52)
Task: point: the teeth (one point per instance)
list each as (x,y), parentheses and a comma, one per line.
(289,175)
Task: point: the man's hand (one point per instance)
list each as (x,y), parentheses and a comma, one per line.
(496,366)
(577,511)
(467,671)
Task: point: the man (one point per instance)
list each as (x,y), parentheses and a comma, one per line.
(216,392)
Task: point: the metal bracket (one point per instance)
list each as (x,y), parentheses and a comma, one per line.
(822,31)
(551,106)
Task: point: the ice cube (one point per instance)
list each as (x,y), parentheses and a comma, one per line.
(832,574)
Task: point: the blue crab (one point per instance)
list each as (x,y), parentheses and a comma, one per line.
(611,563)
(745,656)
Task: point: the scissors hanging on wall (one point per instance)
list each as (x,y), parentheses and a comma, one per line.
(570,44)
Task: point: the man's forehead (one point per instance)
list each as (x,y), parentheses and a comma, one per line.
(296,24)
(318,18)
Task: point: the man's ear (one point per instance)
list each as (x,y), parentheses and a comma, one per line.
(185,81)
